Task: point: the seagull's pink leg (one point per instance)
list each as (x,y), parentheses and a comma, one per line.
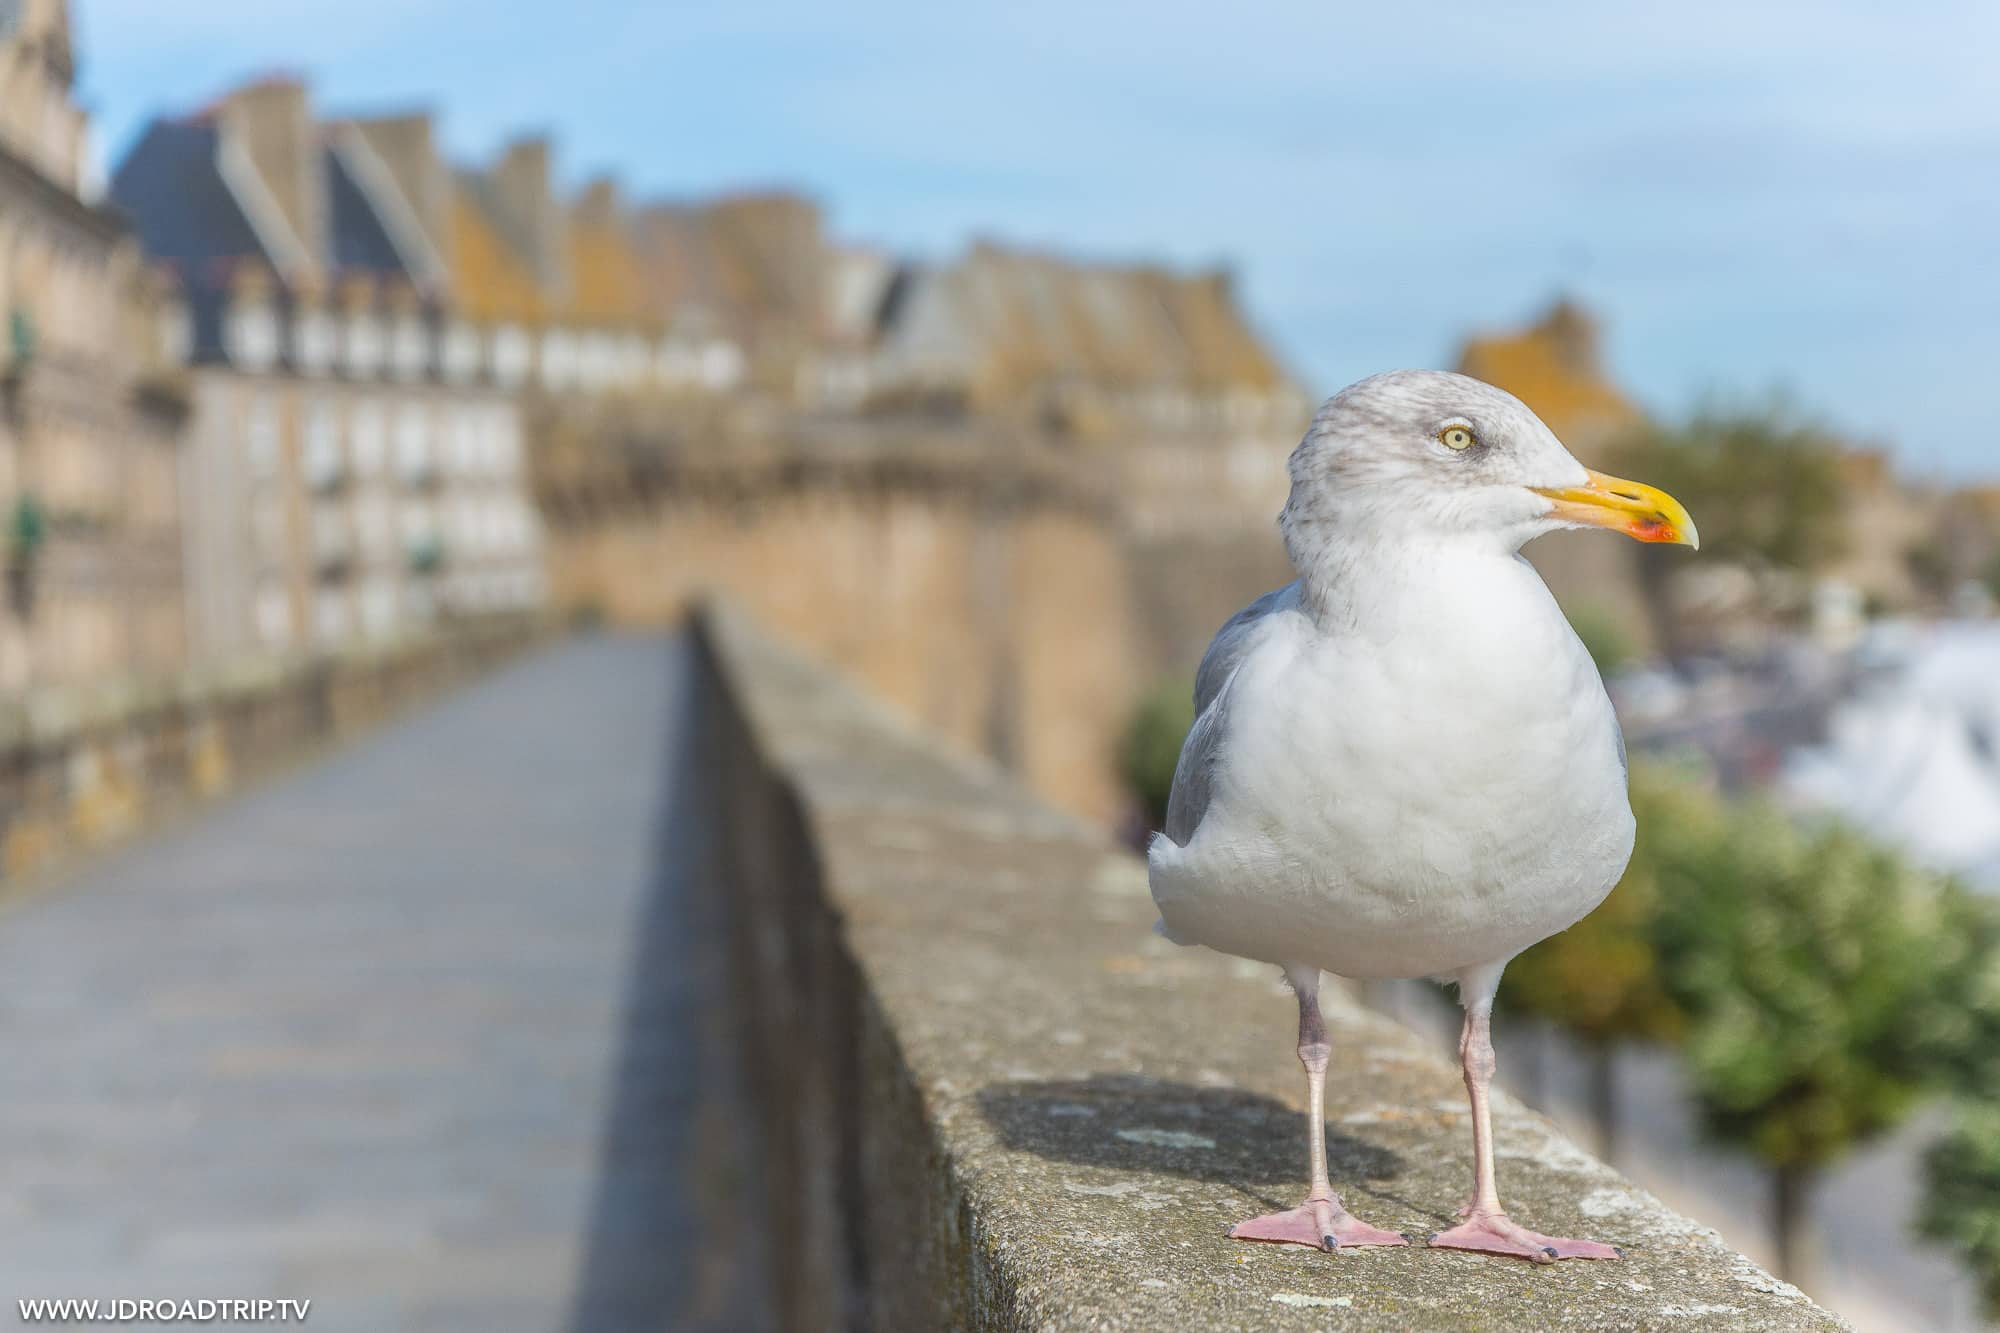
(1320,1221)
(1487,1227)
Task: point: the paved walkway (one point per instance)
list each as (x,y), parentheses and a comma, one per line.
(415,1033)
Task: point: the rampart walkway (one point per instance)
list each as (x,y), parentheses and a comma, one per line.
(412,1032)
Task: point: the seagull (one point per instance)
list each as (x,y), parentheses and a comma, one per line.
(1404,763)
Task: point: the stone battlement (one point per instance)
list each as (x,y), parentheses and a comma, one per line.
(995,1100)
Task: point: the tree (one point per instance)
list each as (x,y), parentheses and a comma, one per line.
(1961,1201)
(1600,979)
(1807,963)
(1767,490)
(1152,746)
(1765,487)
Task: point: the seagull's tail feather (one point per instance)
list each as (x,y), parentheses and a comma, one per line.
(1161,854)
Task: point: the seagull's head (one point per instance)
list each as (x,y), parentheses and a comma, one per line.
(1424,455)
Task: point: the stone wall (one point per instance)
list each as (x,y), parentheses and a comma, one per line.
(81,767)
(987,596)
(993,1099)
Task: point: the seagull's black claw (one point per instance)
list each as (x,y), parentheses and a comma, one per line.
(1329,1243)
(1550,1251)
(1618,1250)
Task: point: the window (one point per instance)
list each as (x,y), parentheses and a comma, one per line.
(330,618)
(320,459)
(260,436)
(413,444)
(460,355)
(364,344)
(378,607)
(251,337)
(273,614)
(370,438)
(410,351)
(313,342)
(513,352)
(721,365)
(597,360)
(559,359)
(461,445)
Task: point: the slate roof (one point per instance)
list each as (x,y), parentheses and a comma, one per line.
(179,204)
(186,213)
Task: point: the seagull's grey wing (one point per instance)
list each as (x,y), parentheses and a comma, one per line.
(1188,800)
(1236,637)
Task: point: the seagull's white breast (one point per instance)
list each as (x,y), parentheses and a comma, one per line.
(1435,785)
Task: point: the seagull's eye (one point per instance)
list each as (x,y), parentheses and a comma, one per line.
(1458,438)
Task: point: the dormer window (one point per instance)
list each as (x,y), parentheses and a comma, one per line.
(313,342)
(721,365)
(410,351)
(364,344)
(559,359)
(513,352)
(460,353)
(251,336)
(600,360)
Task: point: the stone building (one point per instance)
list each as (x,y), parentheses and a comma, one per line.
(1555,365)
(1152,378)
(89,420)
(356,463)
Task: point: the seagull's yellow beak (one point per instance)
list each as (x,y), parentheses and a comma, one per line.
(1631,507)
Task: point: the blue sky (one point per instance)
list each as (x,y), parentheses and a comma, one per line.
(1786,196)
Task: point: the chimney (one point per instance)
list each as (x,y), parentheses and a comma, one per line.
(270,125)
(520,184)
(599,205)
(1572,334)
(406,146)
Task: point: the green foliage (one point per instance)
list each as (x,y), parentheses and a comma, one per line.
(1817,974)
(27,528)
(1600,979)
(1603,637)
(1761,485)
(1152,745)
(1961,1205)
(1929,564)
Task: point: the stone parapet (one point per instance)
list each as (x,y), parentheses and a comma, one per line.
(80,766)
(993,1099)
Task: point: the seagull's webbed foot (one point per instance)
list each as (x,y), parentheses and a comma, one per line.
(1319,1222)
(1496,1233)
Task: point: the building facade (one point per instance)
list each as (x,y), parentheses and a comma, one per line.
(355,467)
(90,418)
